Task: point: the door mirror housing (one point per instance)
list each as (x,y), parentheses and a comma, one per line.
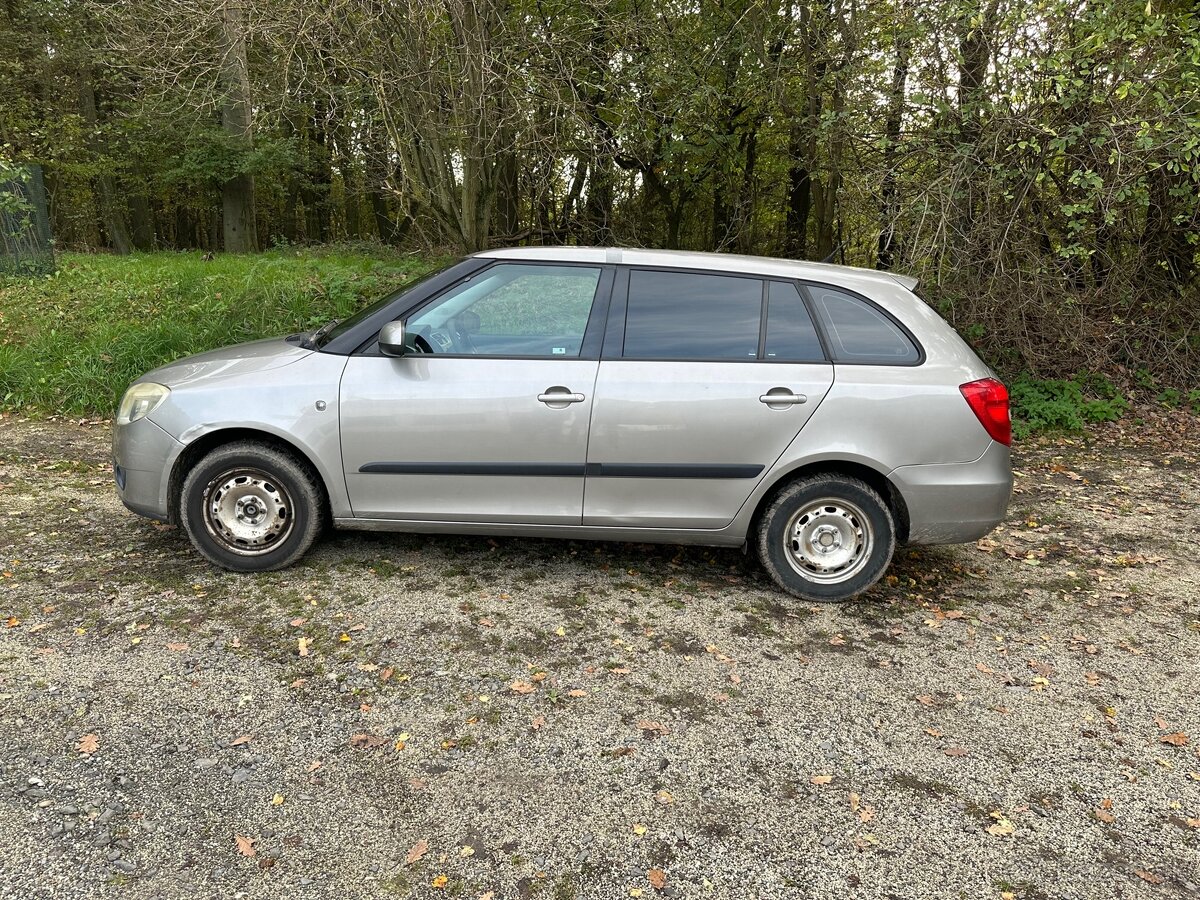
(391,339)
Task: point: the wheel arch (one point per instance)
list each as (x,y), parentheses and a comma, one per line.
(209,441)
(850,468)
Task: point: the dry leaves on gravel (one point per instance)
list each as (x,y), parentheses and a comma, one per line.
(416,851)
(1178,739)
(245,845)
(88,744)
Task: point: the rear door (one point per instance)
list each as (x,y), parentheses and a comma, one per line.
(704,381)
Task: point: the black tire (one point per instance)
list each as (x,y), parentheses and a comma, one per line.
(861,538)
(250,507)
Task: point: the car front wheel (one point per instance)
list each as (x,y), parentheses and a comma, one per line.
(249,507)
(826,538)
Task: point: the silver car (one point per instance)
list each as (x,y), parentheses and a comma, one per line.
(819,414)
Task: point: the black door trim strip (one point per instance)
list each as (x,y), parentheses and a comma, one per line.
(567,470)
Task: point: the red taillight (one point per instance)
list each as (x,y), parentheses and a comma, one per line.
(988,399)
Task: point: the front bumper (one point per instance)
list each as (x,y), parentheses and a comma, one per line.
(142,458)
(959,502)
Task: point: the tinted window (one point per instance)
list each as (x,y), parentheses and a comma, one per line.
(510,310)
(858,332)
(791,334)
(680,315)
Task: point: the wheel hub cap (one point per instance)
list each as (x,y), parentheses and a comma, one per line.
(247,511)
(829,541)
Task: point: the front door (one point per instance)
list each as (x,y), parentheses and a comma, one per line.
(485,418)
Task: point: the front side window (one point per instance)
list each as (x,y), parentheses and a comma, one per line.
(684,315)
(509,310)
(860,333)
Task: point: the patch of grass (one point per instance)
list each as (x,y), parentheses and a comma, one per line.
(74,340)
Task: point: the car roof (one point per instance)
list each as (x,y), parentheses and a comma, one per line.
(720,262)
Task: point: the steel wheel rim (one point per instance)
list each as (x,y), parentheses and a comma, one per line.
(247,511)
(828,541)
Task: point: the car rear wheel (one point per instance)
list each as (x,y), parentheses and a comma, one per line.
(249,507)
(826,538)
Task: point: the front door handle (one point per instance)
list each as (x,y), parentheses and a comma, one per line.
(559,397)
(781,397)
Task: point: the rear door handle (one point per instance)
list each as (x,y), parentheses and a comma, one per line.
(557,395)
(782,397)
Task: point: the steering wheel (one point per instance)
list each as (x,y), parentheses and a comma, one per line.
(421,342)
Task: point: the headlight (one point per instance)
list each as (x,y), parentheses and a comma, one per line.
(141,400)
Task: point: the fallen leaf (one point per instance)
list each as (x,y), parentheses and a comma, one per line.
(466,851)
(735,678)
(419,849)
(926,700)
(933,732)
(245,845)
(487,623)
(1104,816)
(12,621)
(277,800)
(1178,739)
(313,766)
(837,640)
(1092,678)
(820,779)
(177,647)
(1148,876)
(1001,828)
(956,751)
(489,895)
(302,646)
(657,879)
(538,722)
(522,687)
(986,670)
(652,728)
(296,623)
(638,829)
(88,744)
(576,692)
(241,739)
(866,814)
(664,797)
(1160,722)
(367,741)
(439,881)
(387,673)
(854,799)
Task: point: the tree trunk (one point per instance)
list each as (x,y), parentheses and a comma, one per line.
(889,199)
(112,215)
(237,194)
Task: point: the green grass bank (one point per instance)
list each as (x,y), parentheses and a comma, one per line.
(71,342)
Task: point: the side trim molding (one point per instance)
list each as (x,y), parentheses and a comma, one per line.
(568,470)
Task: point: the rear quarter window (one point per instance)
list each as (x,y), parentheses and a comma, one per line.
(858,332)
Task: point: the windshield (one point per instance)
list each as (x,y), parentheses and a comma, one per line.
(326,333)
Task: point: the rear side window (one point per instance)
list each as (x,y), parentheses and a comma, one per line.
(684,315)
(860,333)
(791,335)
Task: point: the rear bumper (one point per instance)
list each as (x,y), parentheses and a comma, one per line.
(142,458)
(957,503)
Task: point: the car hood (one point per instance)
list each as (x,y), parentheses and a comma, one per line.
(240,359)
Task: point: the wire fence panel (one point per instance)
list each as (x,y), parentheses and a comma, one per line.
(25,246)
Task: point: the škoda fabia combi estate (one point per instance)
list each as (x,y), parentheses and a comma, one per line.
(818,413)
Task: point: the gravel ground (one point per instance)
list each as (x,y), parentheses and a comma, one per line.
(417,716)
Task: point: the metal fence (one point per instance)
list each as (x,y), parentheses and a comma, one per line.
(25,247)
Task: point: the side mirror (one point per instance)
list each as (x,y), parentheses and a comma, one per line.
(391,339)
